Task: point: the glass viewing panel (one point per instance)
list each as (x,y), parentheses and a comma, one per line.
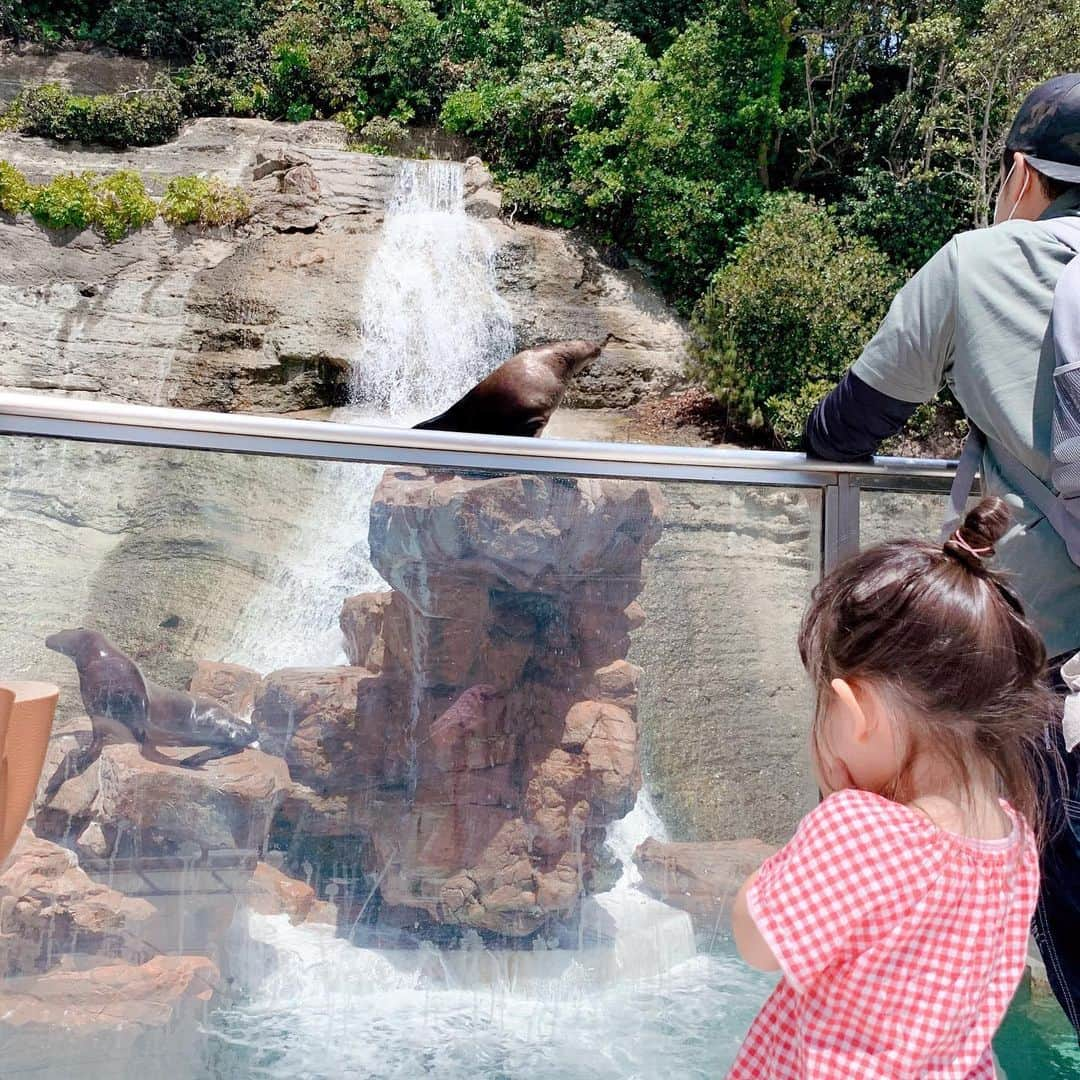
(429,753)
(388,771)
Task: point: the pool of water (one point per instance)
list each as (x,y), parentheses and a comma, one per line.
(319,1008)
(329,1010)
(1035,1041)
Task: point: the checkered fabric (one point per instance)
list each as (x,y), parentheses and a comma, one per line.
(900,945)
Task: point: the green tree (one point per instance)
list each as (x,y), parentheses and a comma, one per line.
(984,78)
(783,320)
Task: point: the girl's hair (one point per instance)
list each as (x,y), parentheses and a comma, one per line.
(946,641)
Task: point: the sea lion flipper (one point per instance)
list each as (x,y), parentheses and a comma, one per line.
(74,763)
(211,753)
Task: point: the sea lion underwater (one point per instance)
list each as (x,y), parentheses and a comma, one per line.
(122,703)
(519,396)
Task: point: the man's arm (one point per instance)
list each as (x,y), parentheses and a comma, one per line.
(854,420)
(901,367)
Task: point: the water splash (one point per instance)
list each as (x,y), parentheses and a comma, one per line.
(432,324)
(635,1001)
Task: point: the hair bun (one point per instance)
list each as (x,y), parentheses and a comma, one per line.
(984,525)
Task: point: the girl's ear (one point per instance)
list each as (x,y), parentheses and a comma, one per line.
(853,711)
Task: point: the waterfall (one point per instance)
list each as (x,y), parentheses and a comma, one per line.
(432,325)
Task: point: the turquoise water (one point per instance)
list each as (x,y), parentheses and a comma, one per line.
(1036,1042)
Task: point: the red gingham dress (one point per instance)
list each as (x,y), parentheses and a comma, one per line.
(900,945)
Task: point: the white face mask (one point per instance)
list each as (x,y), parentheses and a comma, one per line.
(1004,183)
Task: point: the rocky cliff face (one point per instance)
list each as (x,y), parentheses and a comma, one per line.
(265,318)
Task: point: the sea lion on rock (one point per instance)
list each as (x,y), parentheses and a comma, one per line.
(123,704)
(518,397)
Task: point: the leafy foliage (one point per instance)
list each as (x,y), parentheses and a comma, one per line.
(16,192)
(781,322)
(663,128)
(123,204)
(118,203)
(131,118)
(68,202)
(197,200)
(114,205)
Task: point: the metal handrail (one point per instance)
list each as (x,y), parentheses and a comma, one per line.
(108,421)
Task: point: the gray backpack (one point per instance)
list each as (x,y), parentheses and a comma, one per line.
(1060,506)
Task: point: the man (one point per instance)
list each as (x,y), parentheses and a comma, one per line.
(975,318)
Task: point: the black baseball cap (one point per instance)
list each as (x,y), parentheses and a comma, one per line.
(1047,128)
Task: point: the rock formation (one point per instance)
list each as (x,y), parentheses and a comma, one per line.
(265,318)
(699,878)
(49,906)
(480,757)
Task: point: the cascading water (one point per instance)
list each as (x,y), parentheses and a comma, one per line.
(432,325)
(633,999)
(639,1004)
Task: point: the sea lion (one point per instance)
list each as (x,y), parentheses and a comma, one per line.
(123,704)
(518,397)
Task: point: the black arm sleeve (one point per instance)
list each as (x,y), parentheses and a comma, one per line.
(854,420)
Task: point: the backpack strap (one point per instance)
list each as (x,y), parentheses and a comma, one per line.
(966,468)
(1020,477)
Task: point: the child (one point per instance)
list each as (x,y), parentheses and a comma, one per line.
(898,914)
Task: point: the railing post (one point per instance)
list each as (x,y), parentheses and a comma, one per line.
(840,528)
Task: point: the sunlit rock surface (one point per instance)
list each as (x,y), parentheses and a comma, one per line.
(92,1023)
(264,317)
(49,906)
(146,807)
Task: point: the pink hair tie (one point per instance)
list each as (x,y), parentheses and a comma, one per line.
(978,553)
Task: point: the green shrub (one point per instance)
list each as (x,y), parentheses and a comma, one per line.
(122,204)
(114,205)
(383,135)
(196,200)
(128,118)
(793,308)
(68,202)
(177,28)
(16,192)
(906,219)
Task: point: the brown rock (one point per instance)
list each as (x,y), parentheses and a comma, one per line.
(277,157)
(556,803)
(616,683)
(232,685)
(701,878)
(227,803)
(275,893)
(610,753)
(473,733)
(531,534)
(301,180)
(333,725)
(362,627)
(49,907)
(118,1012)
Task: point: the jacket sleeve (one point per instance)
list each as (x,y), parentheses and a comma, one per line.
(854,420)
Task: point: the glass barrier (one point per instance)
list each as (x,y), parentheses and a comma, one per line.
(397,770)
